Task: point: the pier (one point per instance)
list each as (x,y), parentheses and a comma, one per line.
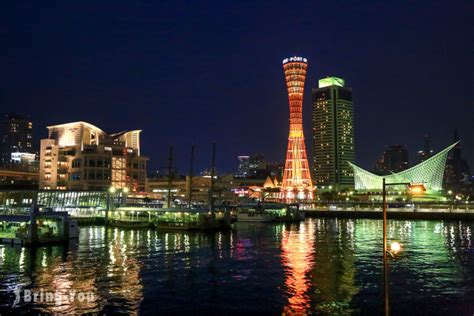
(425,214)
(35,228)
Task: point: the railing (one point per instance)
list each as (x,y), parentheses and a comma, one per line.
(373,206)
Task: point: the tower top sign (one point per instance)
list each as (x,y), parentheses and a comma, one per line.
(295,59)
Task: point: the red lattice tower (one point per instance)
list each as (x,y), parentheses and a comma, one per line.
(296,183)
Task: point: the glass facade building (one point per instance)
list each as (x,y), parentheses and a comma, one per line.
(76,203)
(333,134)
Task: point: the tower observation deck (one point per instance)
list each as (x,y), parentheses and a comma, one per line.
(297,184)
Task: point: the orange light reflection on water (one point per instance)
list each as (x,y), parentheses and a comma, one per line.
(298,260)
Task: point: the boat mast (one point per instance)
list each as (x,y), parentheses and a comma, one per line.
(170,175)
(213,167)
(190,188)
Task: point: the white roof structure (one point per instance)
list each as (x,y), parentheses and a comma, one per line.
(429,172)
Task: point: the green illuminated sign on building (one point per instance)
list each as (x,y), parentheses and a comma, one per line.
(331,81)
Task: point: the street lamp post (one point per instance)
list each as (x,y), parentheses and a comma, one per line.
(415,189)
(385,268)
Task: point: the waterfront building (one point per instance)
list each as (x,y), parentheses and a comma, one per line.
(426,152)
(395,158)
(261,189)
(333,134)
(179,187)
(79,204)
(297,183)
(159,187)
(429,173)
(81,156)
(16,139)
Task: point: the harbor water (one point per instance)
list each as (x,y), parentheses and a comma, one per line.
(319,266)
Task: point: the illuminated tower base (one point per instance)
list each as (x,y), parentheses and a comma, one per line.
(297,184)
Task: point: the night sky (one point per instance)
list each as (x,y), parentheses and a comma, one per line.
(197,72)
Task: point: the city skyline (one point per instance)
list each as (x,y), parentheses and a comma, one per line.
(119,85)
(165,157)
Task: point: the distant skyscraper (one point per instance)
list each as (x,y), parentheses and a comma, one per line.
(427,152)
(393,159)
(257,163)
(256,167)
(297,182)
(244,167)
(457,169)
(333,134)
(16,137)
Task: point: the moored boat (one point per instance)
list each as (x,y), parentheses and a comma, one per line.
(174,218)
(128,223)
(131,217)
(37,227)
(269,212)
(191,219)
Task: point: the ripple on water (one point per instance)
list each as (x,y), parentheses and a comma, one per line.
(328,266)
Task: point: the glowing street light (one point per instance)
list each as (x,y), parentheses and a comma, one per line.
(416,188)
(118,194)
(395,247)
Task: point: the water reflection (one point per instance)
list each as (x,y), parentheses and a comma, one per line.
(325,266)
(124,287)
(334,272)
(298,258)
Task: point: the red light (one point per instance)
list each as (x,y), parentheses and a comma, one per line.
(297,182)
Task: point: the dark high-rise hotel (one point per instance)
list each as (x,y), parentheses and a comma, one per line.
(244,166)
(457,169)
(426,152)
(394,159)
(16,138)
(333,134)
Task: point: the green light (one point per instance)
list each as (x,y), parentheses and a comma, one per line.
(429,172)
(331,81)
